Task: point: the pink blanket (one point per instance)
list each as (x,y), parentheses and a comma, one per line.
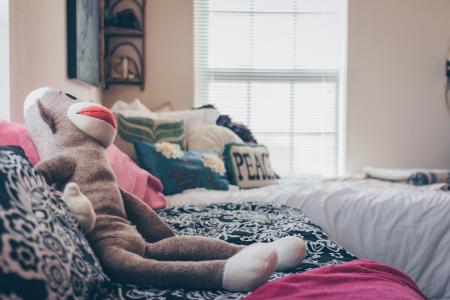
(135,180)
(358,279)
(17,134)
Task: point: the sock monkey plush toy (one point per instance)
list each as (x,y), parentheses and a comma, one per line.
(132,243)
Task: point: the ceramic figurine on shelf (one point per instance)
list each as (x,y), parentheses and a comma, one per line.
(119,67)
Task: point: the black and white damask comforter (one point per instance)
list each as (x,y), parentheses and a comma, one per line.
(244,224)
(44,254)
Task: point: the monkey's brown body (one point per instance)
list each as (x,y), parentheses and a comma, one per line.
(133,244)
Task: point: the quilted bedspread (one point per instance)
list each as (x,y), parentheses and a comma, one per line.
(244,224)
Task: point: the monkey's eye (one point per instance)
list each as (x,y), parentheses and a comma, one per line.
(71,96)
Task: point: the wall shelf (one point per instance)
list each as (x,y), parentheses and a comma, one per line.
(122,47)
(122,32)
(125,81)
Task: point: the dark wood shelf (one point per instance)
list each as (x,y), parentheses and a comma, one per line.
(123,32)
(117,43)
(124,81)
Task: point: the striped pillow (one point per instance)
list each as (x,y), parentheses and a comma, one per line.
(148,130)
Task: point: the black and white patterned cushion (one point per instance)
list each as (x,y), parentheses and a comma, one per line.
(244,224)
(43,253)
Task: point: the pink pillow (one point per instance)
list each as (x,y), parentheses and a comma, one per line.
(131,178)
(17,134)
(136,180)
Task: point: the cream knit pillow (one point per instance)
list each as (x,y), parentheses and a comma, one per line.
(211,138)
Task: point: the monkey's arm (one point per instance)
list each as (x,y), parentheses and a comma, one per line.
(58,169)
(147,221)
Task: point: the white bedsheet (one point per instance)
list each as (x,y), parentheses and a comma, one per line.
(404,227)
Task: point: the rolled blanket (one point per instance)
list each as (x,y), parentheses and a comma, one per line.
(358,279)
(411,176)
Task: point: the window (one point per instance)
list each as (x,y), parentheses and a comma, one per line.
(276,66)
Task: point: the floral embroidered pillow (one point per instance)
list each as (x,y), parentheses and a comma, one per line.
(181,170)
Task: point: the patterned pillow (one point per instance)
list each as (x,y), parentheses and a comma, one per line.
(43,253)
(148,130)
(248,166)
(181,170)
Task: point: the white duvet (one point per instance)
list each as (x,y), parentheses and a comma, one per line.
(407,228)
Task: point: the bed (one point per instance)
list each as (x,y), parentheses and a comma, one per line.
(45,255)
(400,225)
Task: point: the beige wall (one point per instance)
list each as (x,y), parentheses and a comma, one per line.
(396,113)
(169,57)
(39,51)
(4,60)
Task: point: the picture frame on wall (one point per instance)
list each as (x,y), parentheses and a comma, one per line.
(83,23)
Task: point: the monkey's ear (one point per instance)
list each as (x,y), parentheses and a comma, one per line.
(45,115)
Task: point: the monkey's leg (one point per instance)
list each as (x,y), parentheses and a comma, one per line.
(193,248)
(245,268)
(244,271)
(128,267)
(147,221)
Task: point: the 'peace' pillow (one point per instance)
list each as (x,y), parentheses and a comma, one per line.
(248,166)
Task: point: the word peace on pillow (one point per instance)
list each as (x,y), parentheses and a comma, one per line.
(248,166)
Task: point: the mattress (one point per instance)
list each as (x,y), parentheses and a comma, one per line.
(400,225)
(243,224)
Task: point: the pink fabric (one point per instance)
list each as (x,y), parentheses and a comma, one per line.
(131,178)
(17,134)
(136,180)
(358,279)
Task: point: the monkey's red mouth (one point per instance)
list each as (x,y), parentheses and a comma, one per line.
(99,112)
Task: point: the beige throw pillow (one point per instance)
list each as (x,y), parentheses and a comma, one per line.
(212,138)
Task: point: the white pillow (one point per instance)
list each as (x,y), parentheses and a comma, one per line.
(132,109)
(212,138)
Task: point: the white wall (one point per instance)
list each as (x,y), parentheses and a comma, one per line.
(4,60)
(396,112)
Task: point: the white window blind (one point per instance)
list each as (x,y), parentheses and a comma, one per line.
(276,65)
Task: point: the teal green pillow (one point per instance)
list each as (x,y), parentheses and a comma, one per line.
(181,170)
